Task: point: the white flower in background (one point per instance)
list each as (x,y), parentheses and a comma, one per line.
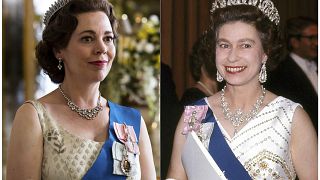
(149,86)
(125,79)
(140,46)
(149,48)
(132,44)
(154,19)
(126,55)
(139,65)
(150,82)
(136,55)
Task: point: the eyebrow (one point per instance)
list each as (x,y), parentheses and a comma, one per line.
(247,39)
(222,40)
(93,32)
(240,41)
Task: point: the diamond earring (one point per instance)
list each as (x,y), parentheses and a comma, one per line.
(263,73)
(219,77)
(60,64)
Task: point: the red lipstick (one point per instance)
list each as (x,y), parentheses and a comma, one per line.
(235,69)
(99,63)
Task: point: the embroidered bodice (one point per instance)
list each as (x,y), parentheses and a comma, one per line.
(263,145)
(65,156)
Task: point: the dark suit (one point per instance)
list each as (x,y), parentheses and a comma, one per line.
(289,80)
(171,111)
(191,95)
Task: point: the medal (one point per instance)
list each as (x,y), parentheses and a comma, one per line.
(125,165)
(129,149)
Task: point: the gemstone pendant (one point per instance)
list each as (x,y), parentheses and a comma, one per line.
(59,66)
(125,165)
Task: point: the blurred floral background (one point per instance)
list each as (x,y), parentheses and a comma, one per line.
(132,81)
(136,73)
(135,76)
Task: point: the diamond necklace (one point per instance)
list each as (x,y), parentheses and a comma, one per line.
(89,114)
(238,118)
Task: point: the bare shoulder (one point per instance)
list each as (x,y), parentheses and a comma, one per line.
(26,111)
(27,114)
(26,118)
(301,124)
(301,119)
(25,147)
(304,145)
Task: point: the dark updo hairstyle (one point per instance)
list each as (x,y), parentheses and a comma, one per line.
(59,29)
(269,33)
(198,57)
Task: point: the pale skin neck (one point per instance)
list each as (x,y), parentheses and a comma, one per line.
(244,96)
(83,94)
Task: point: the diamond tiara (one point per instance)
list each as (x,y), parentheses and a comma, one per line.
(53,9)
(266,6)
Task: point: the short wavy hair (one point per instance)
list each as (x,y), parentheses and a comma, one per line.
(57,33)
(269,33)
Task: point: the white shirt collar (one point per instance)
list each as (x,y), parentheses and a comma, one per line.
(305,64)
(309,68)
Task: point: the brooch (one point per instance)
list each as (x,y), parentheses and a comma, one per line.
(193,115)
(125,153)
(125,163)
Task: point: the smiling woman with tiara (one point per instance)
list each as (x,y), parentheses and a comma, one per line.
(250,132)
(74,132)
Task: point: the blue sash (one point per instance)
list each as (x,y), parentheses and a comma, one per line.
(103,166)
(221,152)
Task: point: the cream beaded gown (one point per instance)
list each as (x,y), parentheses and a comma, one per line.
(66,156)
(263,144)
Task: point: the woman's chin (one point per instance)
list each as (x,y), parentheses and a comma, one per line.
(99,77)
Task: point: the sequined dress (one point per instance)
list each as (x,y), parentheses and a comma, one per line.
(263,144)
(68,157)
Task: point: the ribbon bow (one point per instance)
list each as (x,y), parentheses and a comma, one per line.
(193,115)
(127,136)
